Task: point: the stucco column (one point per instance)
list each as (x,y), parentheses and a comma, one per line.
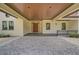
(78,25)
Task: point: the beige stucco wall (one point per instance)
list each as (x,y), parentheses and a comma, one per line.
(57,25)
(73,25)
(18,25)
(26,27)
(70,25)
(52,26)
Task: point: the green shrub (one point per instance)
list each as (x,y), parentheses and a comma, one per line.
(73,34)
(3,35)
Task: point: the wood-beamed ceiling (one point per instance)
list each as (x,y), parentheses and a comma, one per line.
(39,11)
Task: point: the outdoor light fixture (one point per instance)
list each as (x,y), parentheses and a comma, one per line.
(50,7)
(28,6)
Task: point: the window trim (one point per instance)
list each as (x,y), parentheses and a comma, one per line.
(7,25)
(4,25)
(48,26)
(11,25)
(64,28)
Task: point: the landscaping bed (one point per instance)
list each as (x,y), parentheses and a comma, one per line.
(3,36)
(74,35)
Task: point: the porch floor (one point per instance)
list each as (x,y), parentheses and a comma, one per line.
(39,45)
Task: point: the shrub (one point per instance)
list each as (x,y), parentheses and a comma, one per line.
(73,34)
(3,35)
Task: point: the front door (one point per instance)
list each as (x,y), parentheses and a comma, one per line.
(35,27)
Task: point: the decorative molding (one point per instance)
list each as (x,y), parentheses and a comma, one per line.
(65,20)
(68,16)
(7,13)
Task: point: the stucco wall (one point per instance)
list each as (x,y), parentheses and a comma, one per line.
(18,25)
(70,25)
(73,25)
(52,26)
(26,27)
(57,25)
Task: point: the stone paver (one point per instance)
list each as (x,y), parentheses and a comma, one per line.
(72,40)
(6,40)
(39,45)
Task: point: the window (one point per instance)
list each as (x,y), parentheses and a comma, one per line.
(63,26)
(7,25)
(47,26)
(11,25)
(4,25)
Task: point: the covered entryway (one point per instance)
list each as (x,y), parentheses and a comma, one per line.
(39,22)
(39,18)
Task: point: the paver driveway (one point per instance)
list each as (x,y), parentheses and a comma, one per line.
(39,45)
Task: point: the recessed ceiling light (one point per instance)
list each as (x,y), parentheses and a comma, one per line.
(28,6)
(50,7)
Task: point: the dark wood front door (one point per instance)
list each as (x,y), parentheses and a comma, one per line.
(35,27)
